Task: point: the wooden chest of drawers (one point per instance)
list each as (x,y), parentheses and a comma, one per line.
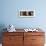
(23,39)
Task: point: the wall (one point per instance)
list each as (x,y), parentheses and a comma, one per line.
(9,13)
(10,9)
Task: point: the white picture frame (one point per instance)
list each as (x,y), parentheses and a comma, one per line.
(27,13)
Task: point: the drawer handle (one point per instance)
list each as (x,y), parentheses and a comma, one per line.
(33,39)
(11,38)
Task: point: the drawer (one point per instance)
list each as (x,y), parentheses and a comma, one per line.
(37,44)
(37,39)
(13,33)
(18,44)
(27,37)
(34,33)
(8,45)
(12,39)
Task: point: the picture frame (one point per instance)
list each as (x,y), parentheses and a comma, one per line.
(27,13)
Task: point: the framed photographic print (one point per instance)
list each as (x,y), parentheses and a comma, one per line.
(27,13)
(23,13)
